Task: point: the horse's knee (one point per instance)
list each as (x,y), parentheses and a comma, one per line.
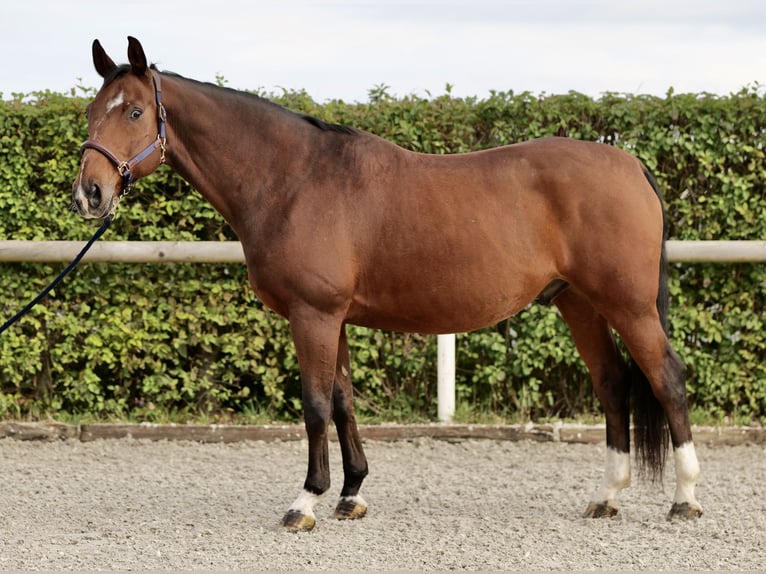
(342,406)
(317,412)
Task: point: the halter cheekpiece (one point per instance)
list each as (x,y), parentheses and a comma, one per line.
(125,168)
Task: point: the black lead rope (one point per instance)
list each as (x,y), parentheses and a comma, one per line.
(60,276)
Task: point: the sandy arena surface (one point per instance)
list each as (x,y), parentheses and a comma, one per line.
(131,504)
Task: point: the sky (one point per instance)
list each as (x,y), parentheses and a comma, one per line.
(342,49)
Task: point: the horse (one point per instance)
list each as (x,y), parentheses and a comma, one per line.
(340,226)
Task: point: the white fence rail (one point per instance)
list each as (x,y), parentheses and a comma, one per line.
(231,252)
(124,251)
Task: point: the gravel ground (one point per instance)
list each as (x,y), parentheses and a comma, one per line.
(434,505)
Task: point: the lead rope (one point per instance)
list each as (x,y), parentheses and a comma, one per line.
(64,273)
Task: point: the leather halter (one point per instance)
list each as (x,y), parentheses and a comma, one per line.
(125,168)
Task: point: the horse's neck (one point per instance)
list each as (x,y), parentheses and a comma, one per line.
(223,144)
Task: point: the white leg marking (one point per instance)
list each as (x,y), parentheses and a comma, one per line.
(616,477)
(350,508)
(687,474)
(356,499)
(305,503)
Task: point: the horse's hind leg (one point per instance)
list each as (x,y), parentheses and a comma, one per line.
(350,505)
(597,347)
(659,365)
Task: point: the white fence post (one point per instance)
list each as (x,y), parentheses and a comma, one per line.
(445,384)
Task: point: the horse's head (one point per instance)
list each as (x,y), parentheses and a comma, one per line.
(126,129)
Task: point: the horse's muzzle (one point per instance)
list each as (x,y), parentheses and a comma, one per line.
(89,200)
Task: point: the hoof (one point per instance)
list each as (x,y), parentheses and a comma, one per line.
(296,521)
(684,510)
(600,510)
(350,508)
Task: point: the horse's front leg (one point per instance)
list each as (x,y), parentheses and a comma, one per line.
(350,505)
(316,343)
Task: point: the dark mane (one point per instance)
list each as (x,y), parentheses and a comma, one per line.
(116,73)
(341,129)
(316,122)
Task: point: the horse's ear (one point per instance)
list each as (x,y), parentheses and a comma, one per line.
(136,57)
(103,63)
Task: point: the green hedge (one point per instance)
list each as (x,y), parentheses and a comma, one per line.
(148,342)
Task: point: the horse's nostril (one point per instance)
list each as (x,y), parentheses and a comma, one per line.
(94,195)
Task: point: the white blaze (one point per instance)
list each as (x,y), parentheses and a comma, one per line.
(115,102)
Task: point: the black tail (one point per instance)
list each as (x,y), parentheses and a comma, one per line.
(650,426)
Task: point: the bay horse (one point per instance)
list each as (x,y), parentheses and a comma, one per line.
(342,227)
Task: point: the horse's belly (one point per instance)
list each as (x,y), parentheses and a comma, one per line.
(441,307)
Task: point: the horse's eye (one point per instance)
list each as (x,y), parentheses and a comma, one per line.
(135,113)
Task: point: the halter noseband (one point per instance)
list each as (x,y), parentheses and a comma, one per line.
(125,168)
